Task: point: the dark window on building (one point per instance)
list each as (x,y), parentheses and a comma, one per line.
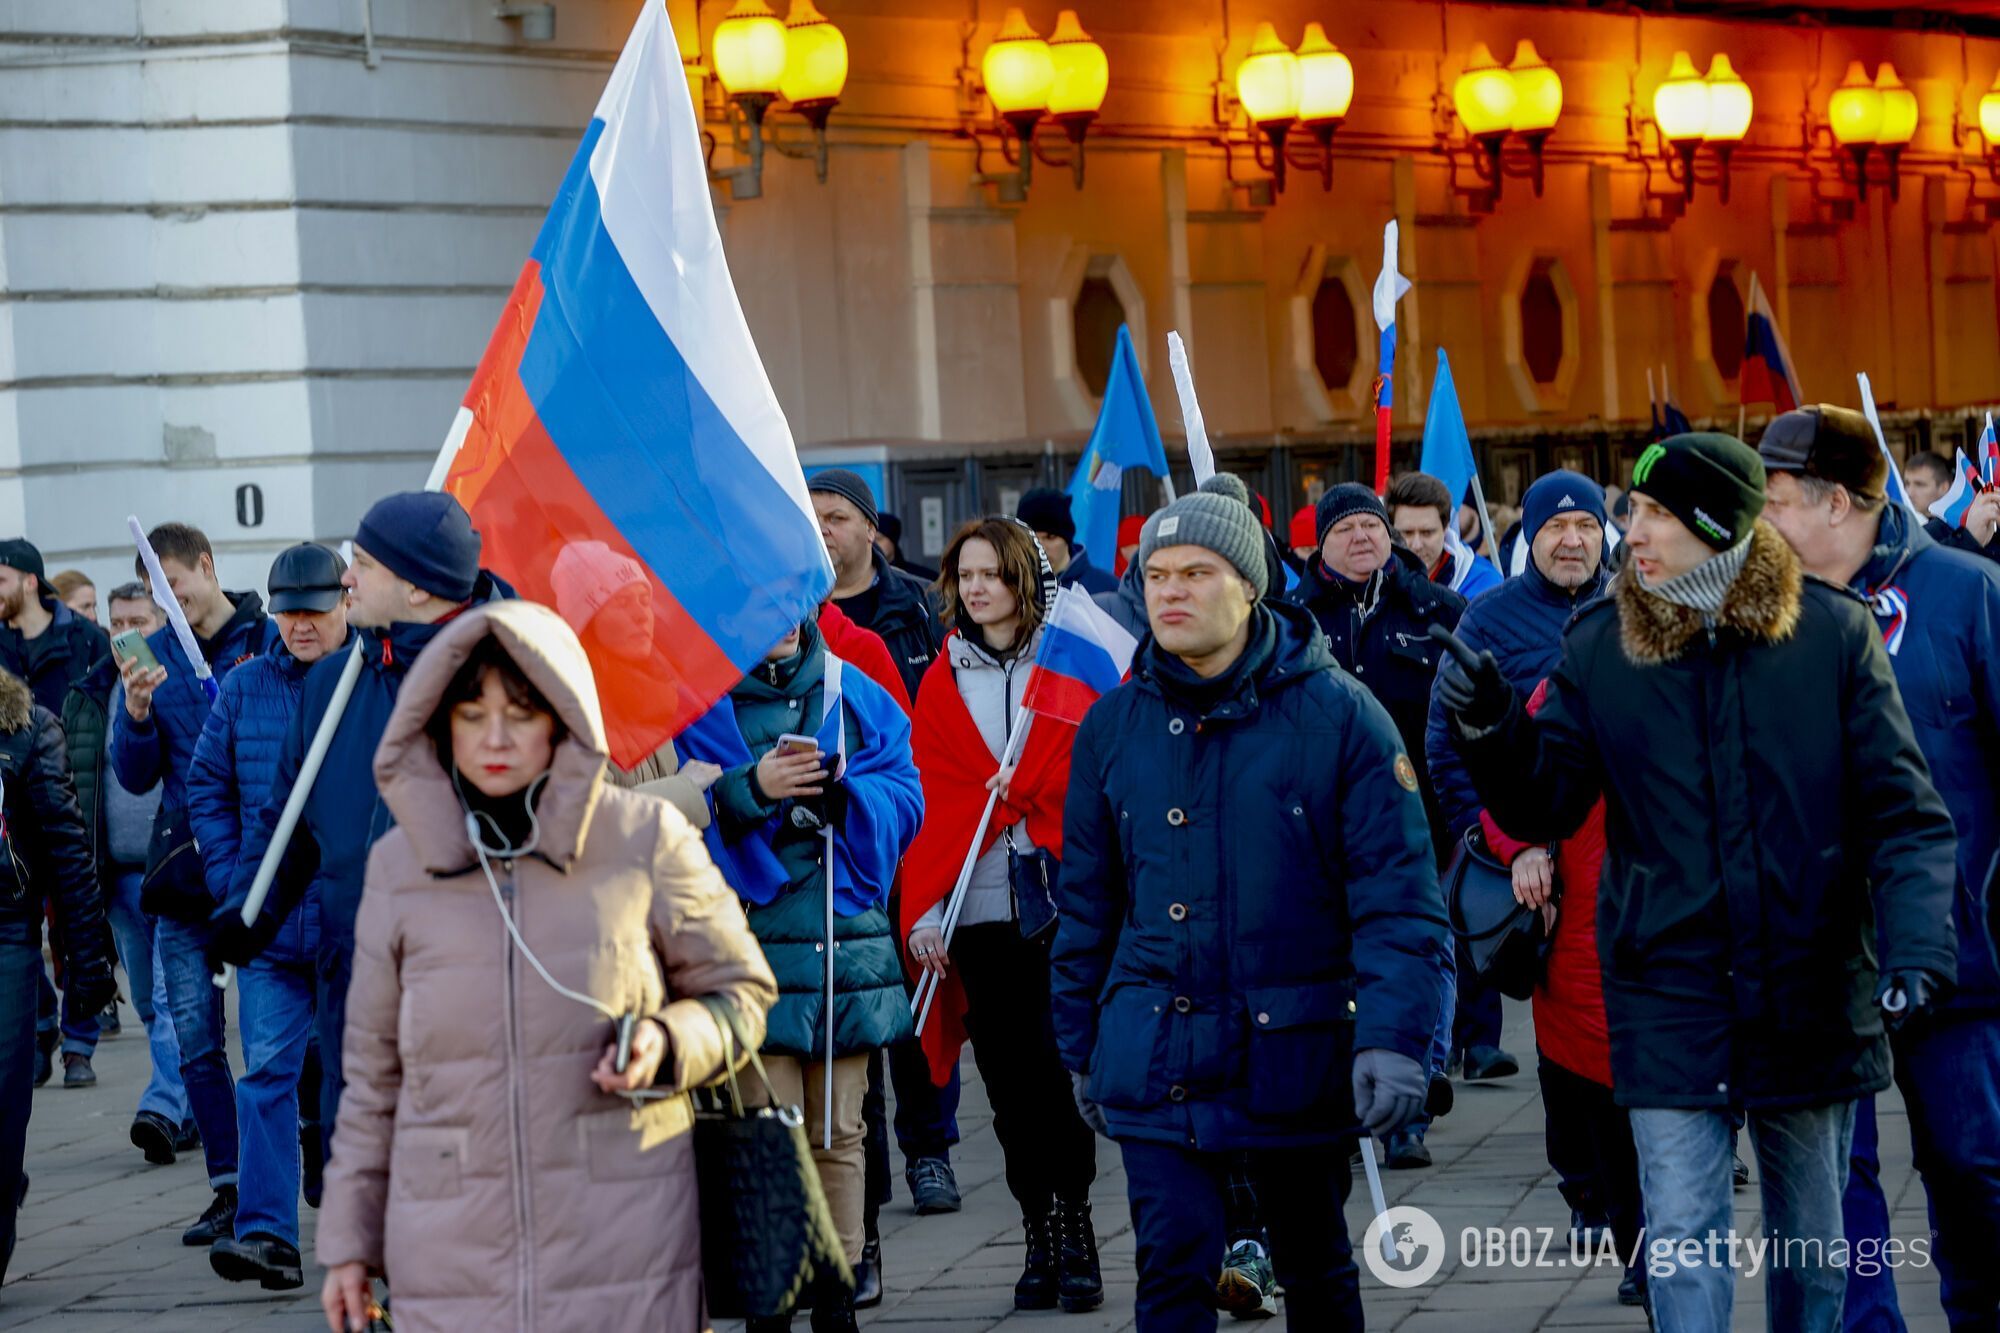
(1725,324)
(1335,347)
(1097,315)
(1541,323)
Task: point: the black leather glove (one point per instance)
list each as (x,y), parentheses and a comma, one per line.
(1908,996)
(89,984)
(1470,683)
(816,812)
(230,941)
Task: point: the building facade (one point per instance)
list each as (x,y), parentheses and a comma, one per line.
(252,249)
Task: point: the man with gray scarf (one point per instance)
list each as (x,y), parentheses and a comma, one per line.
(1768,818)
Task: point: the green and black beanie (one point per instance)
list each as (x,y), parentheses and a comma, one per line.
(1713,483)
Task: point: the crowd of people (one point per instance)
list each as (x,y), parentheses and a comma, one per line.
(1733,733)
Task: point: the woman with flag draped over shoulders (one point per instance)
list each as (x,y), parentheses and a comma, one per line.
(995,590)
(773,806)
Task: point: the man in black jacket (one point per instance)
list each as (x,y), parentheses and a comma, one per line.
(1769,818)
(877,596)
(44,853)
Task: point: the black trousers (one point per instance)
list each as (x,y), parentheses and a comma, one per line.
(1178,1200)
(1590,1146)
(1050,1153)
(20,975)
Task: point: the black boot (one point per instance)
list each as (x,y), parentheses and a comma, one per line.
(266,1260)
(835,1314)
(769,1323)
(1038,1288)
(217,1222)
(312,1162)
(868,1276)
(1080,1284)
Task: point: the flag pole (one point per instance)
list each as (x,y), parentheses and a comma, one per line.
(322,741)
(927,987)
(1739,421)
(1200,456)
(1486,519)
(826,1099)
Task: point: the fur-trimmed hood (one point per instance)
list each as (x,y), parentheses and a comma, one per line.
(1763,603)
(16,702)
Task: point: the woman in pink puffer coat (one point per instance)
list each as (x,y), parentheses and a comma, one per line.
(483,1160)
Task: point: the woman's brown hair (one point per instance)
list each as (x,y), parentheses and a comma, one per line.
(469,683)
(1020,569)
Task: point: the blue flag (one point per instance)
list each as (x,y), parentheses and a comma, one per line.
(1126,436)
(1447,448)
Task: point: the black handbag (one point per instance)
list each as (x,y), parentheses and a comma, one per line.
(176,882)
(1032,878)
(768,1244)
(1503,941)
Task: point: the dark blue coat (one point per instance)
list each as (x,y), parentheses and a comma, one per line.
(1080,573)
(235,766)
(344,816)
(1247,898)
(161,748)
(1947,664)
(1521,623)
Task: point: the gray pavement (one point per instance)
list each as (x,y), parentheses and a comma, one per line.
(100,1236)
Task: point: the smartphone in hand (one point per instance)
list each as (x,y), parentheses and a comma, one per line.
(132,646)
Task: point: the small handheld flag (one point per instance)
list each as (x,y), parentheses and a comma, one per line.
(163,595)
(1083,656)
(1200,456)
(1673,421)
(1989,455)
(1767,375)
(1897,491)
(1955,504)
(1390,287)
(1126,437)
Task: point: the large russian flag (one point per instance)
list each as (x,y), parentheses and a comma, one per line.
(1767,375)
(1084,655)
(620,450)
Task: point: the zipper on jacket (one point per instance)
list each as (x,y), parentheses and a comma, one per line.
(517,1116)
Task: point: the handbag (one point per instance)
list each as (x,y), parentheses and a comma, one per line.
(1031,876)
(1504,941)
(176,882)
(768,1245)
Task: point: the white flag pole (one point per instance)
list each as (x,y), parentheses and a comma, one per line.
(927,986)
(1375,1196)
(322,741)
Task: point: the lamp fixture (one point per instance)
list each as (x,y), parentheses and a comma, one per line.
(1269,85)
(1522,99)
(1082,77)
(758,60)
(1326,91)
(1026,77)
(815,72)
(1692,110)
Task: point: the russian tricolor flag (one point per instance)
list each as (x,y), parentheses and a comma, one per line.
(1767,375)
(1084,655)
(1989,454)
(620,450)
(1956,503)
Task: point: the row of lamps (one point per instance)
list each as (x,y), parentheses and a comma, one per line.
(759,60)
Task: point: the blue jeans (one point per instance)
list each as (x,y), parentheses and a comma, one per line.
(1871,1288)
(79,1031)
(196,1006)
(1949,1071)
(20,966)
(138,950)
(1684,1176)
(275,1003)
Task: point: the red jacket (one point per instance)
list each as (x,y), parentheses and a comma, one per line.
(1569,1004)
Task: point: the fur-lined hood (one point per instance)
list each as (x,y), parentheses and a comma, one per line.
(1763,603)
(16,702)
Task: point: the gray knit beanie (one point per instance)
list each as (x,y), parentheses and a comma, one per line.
(1213,522)
(1231,485)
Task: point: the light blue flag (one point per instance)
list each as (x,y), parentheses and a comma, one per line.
(1126,436)
(1447,448)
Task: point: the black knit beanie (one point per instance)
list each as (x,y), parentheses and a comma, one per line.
(1713,483)
(1350,497)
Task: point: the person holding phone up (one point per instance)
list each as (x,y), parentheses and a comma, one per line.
(996,589)
(808,744)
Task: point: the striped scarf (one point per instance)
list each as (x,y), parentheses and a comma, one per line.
(1705,587)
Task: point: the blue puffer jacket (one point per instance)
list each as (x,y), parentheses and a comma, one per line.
(161,748)
(1946,655)
(344,816)
(1521,623)
(1248,897)
(235,766)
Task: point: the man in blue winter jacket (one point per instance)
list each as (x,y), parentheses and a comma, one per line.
(228,784)
(416,566)
(154,741)
(1250,941)
(1939,611)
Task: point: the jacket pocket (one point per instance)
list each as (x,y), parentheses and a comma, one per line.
(1127,1066)
(428,1162)
(638,1143)
(1301,1047)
